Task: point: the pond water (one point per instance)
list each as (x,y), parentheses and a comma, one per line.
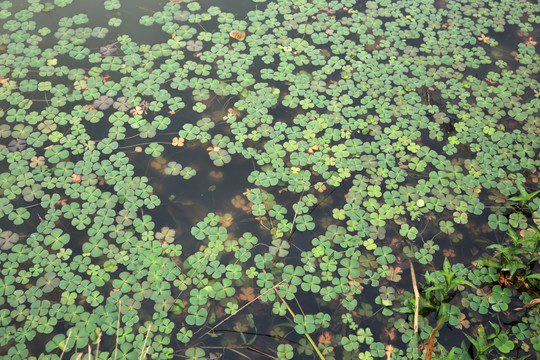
(269,179)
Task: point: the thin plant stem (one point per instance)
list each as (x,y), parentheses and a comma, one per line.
(260,352)
(145,143)
(31,206)
(117,329)
(239,353)
(431,342)
(295,215)
(143,351)
(416,297)
(321,356)
(98,343)
(315,347)
(246,305)
(265,205)
(266,208)
(65,346)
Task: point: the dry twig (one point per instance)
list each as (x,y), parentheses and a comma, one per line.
(416,297)
(65,346)
(117,329)
(429,348)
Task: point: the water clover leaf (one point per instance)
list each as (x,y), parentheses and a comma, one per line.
(112,4)
(198,297)
(48,282)
(161,122)
(154,149)
(163,303)
(350,343)
(189,132)
(311,283)
(195,354)
(201,94)
(503,343)
(173,168)
(279,248)
(446,227)
(19,216)
(8,239)
(99,32)
(233,271)
(115,22)
(94,247)
(500,298)
(184,336)
(409,231)
(304,324)
(304,222)
(46,201)
(220,157)
(166,234)
(284,351)
(194,45)
(47,126)
(107,146)
(56,153)
(122,104)
(143,224)
(103,102)
(77,53)
(498,222)
(17,145)
(423,256)
(56,239)
(196,316)
(384,255)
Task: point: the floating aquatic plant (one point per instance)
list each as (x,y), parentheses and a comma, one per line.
(103,102)
(17,145)
(377,134)
(194,45)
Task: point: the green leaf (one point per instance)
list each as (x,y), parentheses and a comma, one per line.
(57,239)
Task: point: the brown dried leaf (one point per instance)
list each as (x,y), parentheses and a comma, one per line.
(395,273)
(246,294)
(238,35)
(529,304)
(178,141)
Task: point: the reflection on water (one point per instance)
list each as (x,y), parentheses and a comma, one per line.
(185,214)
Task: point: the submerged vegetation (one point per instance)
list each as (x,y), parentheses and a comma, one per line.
(391,198)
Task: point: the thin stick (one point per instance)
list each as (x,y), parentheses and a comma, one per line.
(239,353)
(143,351)
(429,348)
(98,343)
(265,205)
(243,307)
(260,352)
(416,297)
(321,356)
(266,208)
(145,143)
(295,215)
(65,346)
(117,329)
(299,306)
